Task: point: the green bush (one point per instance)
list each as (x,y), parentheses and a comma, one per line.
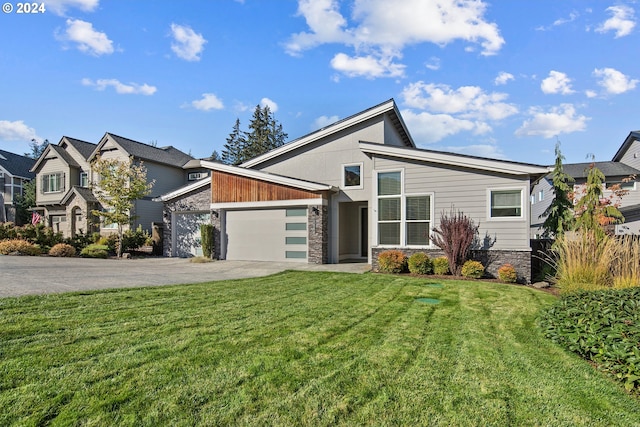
(8,231)
(419,263)
(602,327)
(62,250)
(472,269)
(507,273)
(441,265)
(392,262)
(133,239)
(19,246)
(206,234)
(95,251)
(79,241)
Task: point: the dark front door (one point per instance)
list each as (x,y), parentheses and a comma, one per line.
(364,232)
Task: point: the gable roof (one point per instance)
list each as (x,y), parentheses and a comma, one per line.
(612,168)
(84,148)
(83,192)
(165,155)
(389,107)
(633,136)
(454,159)
(16,164)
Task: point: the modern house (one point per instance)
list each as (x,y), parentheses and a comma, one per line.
(14,174)
(623,170)
(350,191)
(63,194)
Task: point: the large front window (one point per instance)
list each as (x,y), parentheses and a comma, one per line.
(418,220)
(389,207)
(53,183)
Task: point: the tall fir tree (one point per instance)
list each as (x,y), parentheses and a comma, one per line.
(559,214)
(233,151)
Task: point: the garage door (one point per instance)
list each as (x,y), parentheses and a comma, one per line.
(186,237)
(267,235)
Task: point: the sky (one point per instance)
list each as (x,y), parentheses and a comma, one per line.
(501,79)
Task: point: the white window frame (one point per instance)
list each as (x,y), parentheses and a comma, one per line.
(344,176)
(406,221)
(194,176)
(523,206)
(376,206)
(633,185)
(540,195)
(86,176)
(48,178)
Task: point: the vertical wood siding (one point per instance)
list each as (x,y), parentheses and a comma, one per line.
(233,188)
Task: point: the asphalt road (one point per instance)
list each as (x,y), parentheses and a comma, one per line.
(26,275)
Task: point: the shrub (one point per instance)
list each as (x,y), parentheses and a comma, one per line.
(392,262)
(79,241)
(602,327)
(19,246)
(95,251)
(472,269)
(419,263)
(62,250)
(454,237)
(206,234)
(8,231)
(133,239)
(507,273)
(441,265)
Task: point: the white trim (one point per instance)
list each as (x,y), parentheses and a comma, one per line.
(431,220)
(375,212)
(268,204)
(264,176)
(343,184)
(502,166)
(183,190)
(523,206)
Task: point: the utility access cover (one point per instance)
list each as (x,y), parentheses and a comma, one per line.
(428,300)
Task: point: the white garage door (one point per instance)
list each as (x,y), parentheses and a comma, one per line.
(267,235)
(186,238)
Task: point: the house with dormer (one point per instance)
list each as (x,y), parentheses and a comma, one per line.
(15,172)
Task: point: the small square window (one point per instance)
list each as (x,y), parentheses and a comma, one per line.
(352,176)
(506,204)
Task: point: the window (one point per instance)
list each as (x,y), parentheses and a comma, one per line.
(295,226)
(630,185)
(53,183)
(418,219)
(112,225)
(532,198)
(297,212)
(540,195)
(389,207)
(352,175)
(84,179)
(506,203)
(194,176)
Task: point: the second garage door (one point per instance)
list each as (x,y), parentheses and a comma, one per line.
(267,235)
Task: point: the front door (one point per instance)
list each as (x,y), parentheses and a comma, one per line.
(364,232)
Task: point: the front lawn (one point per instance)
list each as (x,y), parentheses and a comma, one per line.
(297,348)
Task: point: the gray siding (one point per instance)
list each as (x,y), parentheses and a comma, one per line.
(539,207)
(632,155)
(49,166)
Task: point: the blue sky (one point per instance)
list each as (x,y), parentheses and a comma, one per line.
(502,79)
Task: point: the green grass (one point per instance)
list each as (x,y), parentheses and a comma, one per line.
(296,348)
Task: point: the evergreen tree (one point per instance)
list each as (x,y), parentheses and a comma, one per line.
(24,202)
(215,156)
(37,148)
(560,212)
(233,151)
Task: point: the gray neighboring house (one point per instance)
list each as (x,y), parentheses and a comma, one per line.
(351,190)
(625,164)
(15,172)
(63,194)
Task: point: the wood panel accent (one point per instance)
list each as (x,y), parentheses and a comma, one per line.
(227,187)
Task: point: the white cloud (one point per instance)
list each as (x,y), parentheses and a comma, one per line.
(378,34)
(622,21)
(433,64)
(556,121)
(88,39)
(208,102)
(469,102)
(16,131)
(481,150)
(590,93)
(366,66)
(187,44)
(557,82)
(613,81)
(324,121)
(266,102)
(121,88)
(60,7)
(503,78)
(428,128)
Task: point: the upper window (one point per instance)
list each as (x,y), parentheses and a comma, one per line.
(352,175)
(630,185)
(194,176)
(53,183)
(84,179)
(506,203)
(541,195)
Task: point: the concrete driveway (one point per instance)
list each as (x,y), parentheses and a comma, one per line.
(26,275)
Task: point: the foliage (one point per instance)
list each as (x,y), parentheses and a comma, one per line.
(602,327)
(206,234)
(454,237)
(18,246)
(560,212)
(120,184)
(131,240)
(62,250)
(265,133)
(80,240)
(507,273)
(625,263)
(472,269)
(419,263)
(38,234)
(392,261)
(95,251)
(25,201)
(441,266)
(37,148)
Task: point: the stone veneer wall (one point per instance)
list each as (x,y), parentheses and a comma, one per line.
(492,260)
(318,224)
(197,200)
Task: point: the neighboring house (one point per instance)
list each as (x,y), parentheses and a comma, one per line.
(625,165)
(14,174)
(350,191)
(63,193)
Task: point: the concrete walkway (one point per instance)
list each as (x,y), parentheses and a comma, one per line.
(25,275)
